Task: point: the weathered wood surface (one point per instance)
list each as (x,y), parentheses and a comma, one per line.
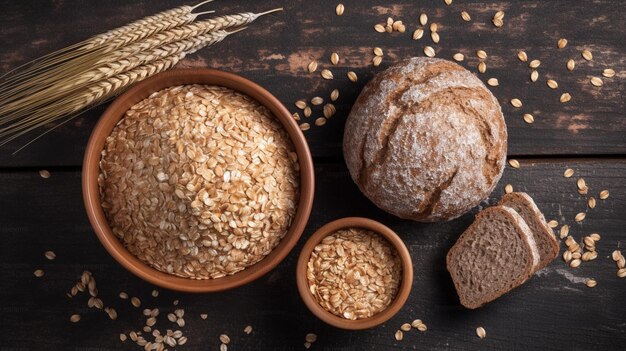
(553,311)
(274,52)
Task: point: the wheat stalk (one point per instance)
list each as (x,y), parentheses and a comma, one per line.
(40,99)
(12,99)
(100,44)
(105,89)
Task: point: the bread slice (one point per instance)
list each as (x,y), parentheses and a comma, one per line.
(494,255)
(546,242)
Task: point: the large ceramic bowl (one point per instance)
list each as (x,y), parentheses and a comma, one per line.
(142,90)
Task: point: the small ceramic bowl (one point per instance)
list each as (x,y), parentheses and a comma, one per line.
(142,90)
(365,323)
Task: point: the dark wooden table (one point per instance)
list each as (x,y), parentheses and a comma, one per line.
(554,310)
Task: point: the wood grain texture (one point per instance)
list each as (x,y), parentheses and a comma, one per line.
(275,50)
(552,311)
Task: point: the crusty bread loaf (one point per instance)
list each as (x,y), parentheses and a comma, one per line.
(493,256)
(546,242)
(425,140)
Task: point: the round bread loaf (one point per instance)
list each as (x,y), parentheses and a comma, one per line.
(425,140)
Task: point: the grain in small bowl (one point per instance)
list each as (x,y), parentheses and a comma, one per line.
(354,273)
(198,180)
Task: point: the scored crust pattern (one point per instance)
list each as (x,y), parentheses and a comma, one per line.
(425,140)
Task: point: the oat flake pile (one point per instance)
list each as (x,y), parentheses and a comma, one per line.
(199,181)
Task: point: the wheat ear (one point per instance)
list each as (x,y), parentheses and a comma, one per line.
(103,90)
(103,43)
(12,98)
(58,91)
(186,32)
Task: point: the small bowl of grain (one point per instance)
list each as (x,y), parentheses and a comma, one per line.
(198,180)
(354,273)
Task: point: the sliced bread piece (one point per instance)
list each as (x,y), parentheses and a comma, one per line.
(546,242)
(494,255)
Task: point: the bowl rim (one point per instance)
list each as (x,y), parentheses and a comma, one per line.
(205,76)
(358,324)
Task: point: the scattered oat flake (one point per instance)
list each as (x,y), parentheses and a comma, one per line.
(423,19)
(433,27)
(480,331)
(552,83)
(571,64)
(568,173)
(123,295)
(44,174)
(553,224)
(307,112)
(247,329)
(534,75)
(334,95)
(123,337)
(339,9)
(580,216)
(621,272)
(429,51)
(379,28)
(405,327)
(377,60)
(587,55)
(508,188)
(448,2)
(326,74)
(564,231)
(608,72)
(224,339)
(481,54)
(435,37)
(561,43)
(50,255)
(75,318)
(575,263)
(301,104)
(155,293)
(604,194)
(135,301)
(458,57)
(399,335)
(591,283)
(38,273)
(534,64)
(312,67)
(493,82)
(482,67)
(378,51)
(516,102)
(334,58)
(311,337)
(416,322)
(565,97)
(352,76)
(320,121)
(514,163)
(521,55)
(528,118)
(418,34)
(596,81)
(466,16)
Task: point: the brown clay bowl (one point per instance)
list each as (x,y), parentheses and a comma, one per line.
(142,90)
(365,323)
